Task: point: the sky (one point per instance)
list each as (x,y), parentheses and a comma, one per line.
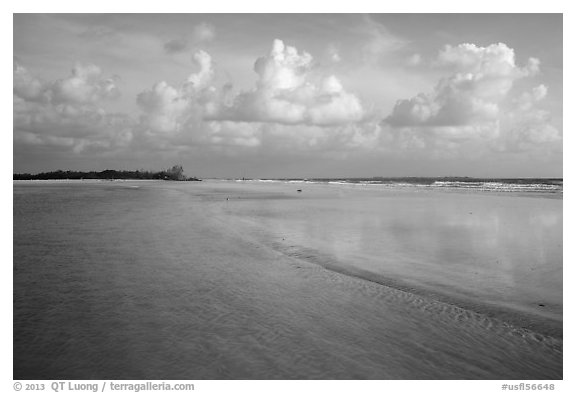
(290,95)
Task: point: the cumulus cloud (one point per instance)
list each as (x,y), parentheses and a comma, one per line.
(76,128)
(26,85)
(67,112)
(169,109)
(528,99)
(291,107)
(205,73)
(86,85)
(294,107)
(476,102)
(288,91)
(530,125)
(483,77)
(166,108)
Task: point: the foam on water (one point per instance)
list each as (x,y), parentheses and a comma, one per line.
(511,185)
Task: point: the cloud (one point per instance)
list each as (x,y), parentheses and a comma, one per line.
(85,85)
(166,108)
(289,91)
(333,53)
(414,60)
(276,139)
(78,129)
(290,108)
(477,103)
(204,32)
(201,34)
(528,99)
(204,76)
(169,109)
(482,78)
(26,86)
(232,134)
(176,45)
(293,106)
(380,41)
(529,125)
(67,112)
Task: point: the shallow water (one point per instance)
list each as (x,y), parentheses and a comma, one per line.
(495,250)
(144,280)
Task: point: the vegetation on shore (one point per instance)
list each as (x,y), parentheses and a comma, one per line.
(176,173)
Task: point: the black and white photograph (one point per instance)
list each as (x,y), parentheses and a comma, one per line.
(287,196)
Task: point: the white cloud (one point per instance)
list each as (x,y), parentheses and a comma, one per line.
(477,102)
(205,74)
(225,133)
(294,107)
(529,125)
(85,85)
(67,112)
(482,78)
(26,86)
(169,109)
(290,109)
(283,68)
(528,99)
(285,139)
(166,108)
(290,91)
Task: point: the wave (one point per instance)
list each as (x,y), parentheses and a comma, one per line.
(494,185)
(499,186)
(545,185)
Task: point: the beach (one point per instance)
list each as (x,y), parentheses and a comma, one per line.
(255,280)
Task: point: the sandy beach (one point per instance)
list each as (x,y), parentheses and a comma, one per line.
(245,280)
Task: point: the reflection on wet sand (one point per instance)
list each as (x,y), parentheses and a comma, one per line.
(501,250)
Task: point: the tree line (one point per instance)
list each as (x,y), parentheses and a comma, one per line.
(176,173)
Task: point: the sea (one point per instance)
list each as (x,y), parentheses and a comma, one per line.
(376,278)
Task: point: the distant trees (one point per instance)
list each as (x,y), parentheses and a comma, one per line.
(176,173)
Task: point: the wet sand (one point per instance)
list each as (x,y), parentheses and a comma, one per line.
(144,280)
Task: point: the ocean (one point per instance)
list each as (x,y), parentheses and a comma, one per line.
(288,279)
